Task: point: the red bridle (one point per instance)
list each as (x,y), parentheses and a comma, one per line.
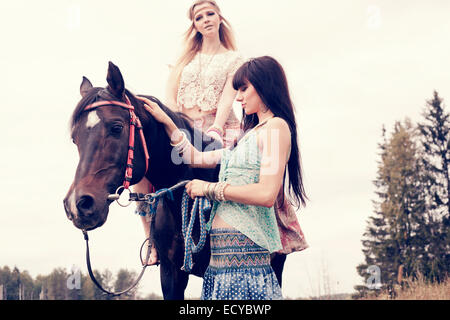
(134,123)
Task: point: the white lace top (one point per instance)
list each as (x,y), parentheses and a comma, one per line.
(203,79)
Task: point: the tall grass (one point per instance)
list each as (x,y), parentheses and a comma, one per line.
(418,289)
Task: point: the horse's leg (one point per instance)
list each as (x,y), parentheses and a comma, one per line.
(169,243)
(277,263)
(173,281)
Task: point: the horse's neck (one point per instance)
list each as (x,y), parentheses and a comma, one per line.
(163,172)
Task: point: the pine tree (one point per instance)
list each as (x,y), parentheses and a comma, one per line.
(435,142)
(390,240)
(375,234)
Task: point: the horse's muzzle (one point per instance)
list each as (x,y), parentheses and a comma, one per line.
(84,211)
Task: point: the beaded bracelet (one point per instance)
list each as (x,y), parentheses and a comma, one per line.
(216,191)
(220,195)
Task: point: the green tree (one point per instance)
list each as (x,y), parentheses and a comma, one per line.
(5,276)
(123,281)
(56,285)
(16,284)
(435,142)
(27,286)
(89,289)
(391,239)
(39,291)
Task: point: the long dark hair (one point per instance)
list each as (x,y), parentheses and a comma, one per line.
(269,80)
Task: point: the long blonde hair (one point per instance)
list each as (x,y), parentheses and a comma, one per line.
(193,39)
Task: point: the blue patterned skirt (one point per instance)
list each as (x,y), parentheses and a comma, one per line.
(239,269)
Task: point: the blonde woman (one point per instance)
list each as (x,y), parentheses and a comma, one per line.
(200,84)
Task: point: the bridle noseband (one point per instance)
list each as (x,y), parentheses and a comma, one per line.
(135,123)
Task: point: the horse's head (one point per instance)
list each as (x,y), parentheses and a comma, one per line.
(102,137)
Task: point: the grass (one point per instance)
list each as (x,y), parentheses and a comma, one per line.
(418,289)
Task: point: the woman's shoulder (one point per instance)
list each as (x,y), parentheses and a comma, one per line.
(278,123)
(275,124)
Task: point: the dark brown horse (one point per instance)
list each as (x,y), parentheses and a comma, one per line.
(101,136)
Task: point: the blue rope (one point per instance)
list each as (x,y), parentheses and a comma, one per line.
(153,200)
(201,204)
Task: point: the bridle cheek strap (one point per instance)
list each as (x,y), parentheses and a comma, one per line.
(135,123)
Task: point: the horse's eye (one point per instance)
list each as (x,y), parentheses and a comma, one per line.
(116,129)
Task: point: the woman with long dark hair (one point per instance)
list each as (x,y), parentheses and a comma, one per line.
(243,225)
(271,86)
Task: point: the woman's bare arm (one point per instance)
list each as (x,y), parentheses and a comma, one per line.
(190,155)
(225,104)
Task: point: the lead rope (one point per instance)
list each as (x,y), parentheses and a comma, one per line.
(152,199)
(91,273)
(201,204)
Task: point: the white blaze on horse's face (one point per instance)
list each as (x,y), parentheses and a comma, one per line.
(92,120)
(72,203)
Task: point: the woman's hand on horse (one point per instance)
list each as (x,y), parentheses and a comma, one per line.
(195,188)
(155,110)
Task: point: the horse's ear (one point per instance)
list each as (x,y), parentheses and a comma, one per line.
(85,86)
(116,84)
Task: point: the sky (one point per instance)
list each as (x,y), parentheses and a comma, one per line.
(352,67)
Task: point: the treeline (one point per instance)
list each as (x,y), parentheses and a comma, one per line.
(63,285)
(408,234)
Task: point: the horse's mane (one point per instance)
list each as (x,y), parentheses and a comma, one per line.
(181,120)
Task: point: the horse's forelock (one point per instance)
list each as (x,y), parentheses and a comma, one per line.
(89,98)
